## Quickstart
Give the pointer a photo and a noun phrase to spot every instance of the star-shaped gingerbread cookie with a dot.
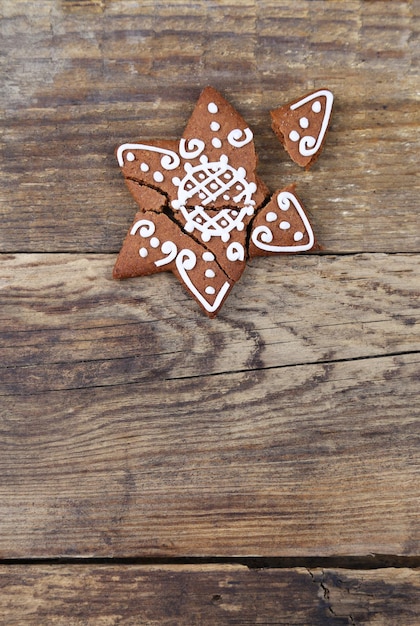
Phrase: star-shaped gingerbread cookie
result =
(203, 210)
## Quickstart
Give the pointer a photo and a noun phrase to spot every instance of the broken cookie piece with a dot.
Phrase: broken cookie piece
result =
(301, 126)
(281, 226)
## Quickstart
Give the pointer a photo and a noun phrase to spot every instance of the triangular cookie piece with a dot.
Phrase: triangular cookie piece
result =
(301, 126)
(281, 226)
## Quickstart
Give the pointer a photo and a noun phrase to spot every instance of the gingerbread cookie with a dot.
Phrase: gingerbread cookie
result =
(301, 126)
(203, 209)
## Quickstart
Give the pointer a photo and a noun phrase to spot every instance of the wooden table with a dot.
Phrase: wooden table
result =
(158, 467)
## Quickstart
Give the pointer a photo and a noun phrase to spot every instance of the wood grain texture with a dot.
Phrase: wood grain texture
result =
(67, 324)
(132, 426)
(207, 595)
(83, 77)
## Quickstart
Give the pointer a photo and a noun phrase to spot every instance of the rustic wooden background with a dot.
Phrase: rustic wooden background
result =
(158, 467)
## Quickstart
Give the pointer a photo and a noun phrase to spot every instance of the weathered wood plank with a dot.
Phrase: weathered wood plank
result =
(65, 323)
(135, 426)
(307, 460)
(231, 482)
(82, 77)
(89, 595)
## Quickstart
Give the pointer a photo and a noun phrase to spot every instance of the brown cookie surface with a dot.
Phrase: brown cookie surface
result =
(301, 125)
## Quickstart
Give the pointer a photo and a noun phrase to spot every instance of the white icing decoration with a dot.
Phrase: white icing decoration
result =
(235, 252)
(210, 290)
(215, 126)
(298, 236)
(216, 143)
(194, 148)
(212, 186)
(185, 262)
(158, 177)
(304, 122)
(285, 226)
(143, 253)
(169, 161)
(144, 167)
(130, 156)
(154, 242)
(234, 137)
(308, 146)
(212, 107)
(208, 256)
(262, 236)
(209, 274)
(146, 228)
(283, 201)
(170, 249)
(294, 135)
(271, 216)
(218, 225)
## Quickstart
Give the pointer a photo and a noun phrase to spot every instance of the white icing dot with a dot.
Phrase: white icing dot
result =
(271, 217)
(294, 135)
(214, 186)
(215, 126)
(208, 256)
(130, 156)
(233, 213)
(216, 143)
(201, 176)
(212, 107)
(144, 167)
(158, 177)
(226, 197)
(284, 225)
(223, 223)
(304, 122)
(298, 236)
(154, 242)
(201, 195)
(209, 274)
(210, 290)
(316, 107)
(143, 253)
(176, 181)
